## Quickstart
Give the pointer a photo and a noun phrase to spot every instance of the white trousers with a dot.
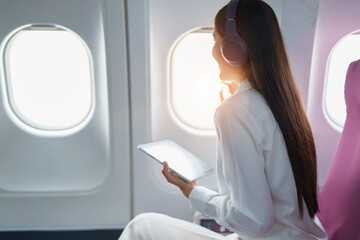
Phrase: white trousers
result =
(154, 226)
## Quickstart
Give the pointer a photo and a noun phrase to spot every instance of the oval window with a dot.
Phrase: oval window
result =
(344, 52)
(194, 80)
(48, 77)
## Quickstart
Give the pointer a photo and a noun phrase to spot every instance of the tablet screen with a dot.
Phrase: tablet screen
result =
(181, 161)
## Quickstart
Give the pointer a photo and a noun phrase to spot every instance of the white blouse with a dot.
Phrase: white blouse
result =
(257, 196)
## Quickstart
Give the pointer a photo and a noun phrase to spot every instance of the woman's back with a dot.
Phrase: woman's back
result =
(250, 110)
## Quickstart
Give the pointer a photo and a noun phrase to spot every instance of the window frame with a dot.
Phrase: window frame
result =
(175, 116)
(9, 104)
(329, 117)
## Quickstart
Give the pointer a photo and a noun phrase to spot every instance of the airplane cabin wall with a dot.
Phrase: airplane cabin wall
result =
(336, 19)
(81, 180)
(130, 43)
(298, 28)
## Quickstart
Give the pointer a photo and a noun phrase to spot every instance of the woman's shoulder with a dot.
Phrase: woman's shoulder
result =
(248, 111)
(246, 104)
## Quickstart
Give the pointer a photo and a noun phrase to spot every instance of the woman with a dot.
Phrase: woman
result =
(266, 163)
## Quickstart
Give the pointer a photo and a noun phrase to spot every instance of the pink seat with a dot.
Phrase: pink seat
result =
(339, 199)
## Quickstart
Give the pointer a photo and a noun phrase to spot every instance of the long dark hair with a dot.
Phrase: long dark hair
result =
(268, 71)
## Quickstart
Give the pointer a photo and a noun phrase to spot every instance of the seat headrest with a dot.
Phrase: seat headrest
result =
(352, 88)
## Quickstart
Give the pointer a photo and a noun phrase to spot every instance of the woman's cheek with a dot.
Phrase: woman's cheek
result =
(213, 51)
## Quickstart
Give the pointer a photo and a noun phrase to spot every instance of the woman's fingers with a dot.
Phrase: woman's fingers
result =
(169, 175)
(221, 96)
(165, 170)
(232, 86)
(185, 187)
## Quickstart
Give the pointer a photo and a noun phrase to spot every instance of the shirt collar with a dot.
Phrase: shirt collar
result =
(245, 85)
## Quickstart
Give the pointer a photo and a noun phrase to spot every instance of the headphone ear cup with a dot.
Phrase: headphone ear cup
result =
(234, 50)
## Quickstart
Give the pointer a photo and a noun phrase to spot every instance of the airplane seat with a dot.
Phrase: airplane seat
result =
(339, 199)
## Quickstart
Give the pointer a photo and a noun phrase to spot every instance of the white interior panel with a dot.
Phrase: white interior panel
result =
(79, 180)
(344, 19)
(32, 163)
(85, 179)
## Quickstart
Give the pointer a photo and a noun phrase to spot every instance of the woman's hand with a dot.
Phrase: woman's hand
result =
(233, 85)
(185, 187)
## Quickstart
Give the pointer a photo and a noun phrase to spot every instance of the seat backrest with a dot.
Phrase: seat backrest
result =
(339, 199)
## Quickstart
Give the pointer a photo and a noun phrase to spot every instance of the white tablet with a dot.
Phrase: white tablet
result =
(181, 161)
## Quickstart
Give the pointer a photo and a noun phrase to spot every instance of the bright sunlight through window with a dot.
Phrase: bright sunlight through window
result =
(345, 51)
(48, 74)
(194, 80)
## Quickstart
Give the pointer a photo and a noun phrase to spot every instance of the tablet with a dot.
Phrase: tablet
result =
(182, 162)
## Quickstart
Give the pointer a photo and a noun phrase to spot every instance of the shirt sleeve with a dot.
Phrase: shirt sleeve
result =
(248, 208)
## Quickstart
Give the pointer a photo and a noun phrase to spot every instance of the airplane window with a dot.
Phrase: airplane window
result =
(194, 80)
(48, 77)
(344, 52)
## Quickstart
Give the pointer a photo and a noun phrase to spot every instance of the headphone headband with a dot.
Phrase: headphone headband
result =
(232, 9)
(233, 47)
